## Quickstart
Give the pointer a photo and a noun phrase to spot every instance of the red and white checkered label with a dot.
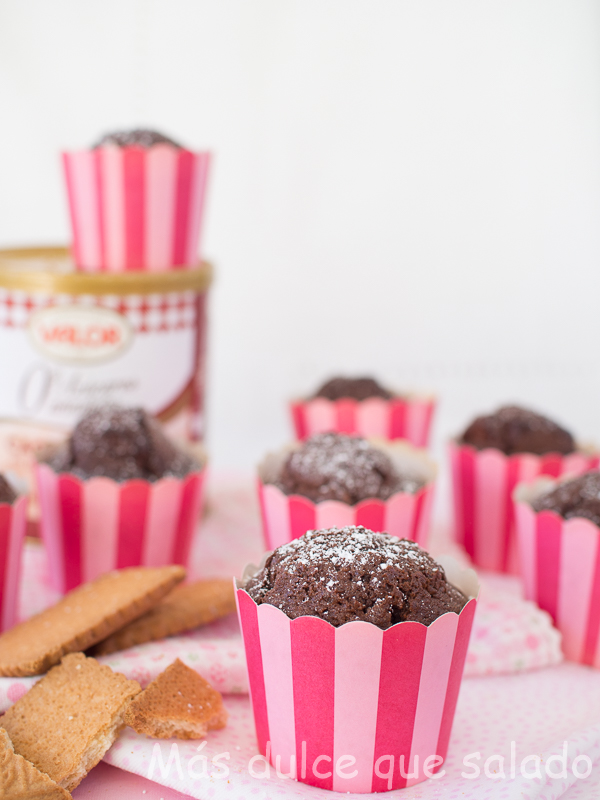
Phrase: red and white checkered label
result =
(145, 313)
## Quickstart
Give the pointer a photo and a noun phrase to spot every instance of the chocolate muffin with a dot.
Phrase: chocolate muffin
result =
(138, 137)
(513, 429)
(354, 388)
(122, 444)
(347, 574)
(7, 493)
(335, 466)
(578, 497)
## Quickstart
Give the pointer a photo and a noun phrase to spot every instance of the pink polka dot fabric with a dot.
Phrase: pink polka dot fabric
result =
(527, 717)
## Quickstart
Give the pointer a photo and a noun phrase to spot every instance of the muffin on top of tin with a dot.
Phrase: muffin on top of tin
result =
(136, 137)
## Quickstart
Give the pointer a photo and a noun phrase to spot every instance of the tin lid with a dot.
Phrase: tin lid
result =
(51, 270)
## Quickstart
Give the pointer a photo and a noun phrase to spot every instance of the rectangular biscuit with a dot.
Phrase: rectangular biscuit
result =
(187, 606)
(20, 780)
(68, 720)
(83, 617)
(180, 703)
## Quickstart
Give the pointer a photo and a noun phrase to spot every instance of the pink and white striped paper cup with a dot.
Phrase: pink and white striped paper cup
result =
(13, 523)
(406, 515)
(135, 208)
(483, 482)
(399, 418)
(560, 567)
(355, 708)
(93, 526)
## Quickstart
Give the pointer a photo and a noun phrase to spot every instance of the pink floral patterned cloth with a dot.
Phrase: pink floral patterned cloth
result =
(509, 633)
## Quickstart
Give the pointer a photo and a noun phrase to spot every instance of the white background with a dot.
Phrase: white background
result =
(408, 188)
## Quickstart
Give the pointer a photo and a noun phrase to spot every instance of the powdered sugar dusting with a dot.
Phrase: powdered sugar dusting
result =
(334, 466)
(353, 544)
(352, 573)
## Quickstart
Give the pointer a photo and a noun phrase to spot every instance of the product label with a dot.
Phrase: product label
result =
(74, 334)
(62, 354)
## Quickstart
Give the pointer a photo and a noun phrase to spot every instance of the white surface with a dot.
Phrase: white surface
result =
(538, 710)
(407, 188)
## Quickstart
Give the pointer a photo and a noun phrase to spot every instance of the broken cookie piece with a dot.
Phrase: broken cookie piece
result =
(68, 720)
(20, 780)
(179, 703)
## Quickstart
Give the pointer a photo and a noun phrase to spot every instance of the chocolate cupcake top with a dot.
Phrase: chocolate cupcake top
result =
(347, 574)
(513, 429)
(335, 466)
(7, 493)
(138, 137)
(355, 388)
(122, 444)
(579, 497)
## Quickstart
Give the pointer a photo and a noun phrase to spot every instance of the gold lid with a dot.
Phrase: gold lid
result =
(51, 270)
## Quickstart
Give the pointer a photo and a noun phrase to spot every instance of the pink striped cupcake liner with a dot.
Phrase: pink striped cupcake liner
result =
(560, 567)
(399, 418)
(483, 482)
(134, 208)
(93, 526)
(355, 708)
(406, 515)
(13, 522)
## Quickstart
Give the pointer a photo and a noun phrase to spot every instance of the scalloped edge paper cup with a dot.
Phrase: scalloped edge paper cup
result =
(406, 515)
(560, 567)
(13, 522)
(403, 417)
(96, 525)
(483, 482)
(135, 208)
(355, 708)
